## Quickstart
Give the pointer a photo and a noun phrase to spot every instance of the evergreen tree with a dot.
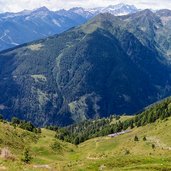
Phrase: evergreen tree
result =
(39, 130)
(1, 117)
(136, 138)
(153, 146)
(76, 141)
(15, 121)
(144, 138)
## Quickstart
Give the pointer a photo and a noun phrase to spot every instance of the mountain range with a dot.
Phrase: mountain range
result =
(26, 26)
(109, 65)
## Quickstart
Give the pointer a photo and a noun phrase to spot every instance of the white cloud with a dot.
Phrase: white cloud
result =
(18, 5)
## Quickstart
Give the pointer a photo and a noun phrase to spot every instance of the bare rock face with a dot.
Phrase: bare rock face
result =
(6, 154)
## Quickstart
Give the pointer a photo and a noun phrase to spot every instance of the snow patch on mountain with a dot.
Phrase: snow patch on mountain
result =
(120, 9)
(56, 22)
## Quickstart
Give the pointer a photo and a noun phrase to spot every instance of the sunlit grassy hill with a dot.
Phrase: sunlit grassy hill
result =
(102, 153)
(145, 147)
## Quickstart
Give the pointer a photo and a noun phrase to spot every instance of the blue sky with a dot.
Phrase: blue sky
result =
(18, 5)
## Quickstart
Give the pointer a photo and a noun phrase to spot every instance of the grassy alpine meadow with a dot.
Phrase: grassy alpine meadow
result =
(150, 151)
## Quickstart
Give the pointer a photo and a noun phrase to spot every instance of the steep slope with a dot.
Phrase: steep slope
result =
(105, 66)
(163, 37)
(15, 139)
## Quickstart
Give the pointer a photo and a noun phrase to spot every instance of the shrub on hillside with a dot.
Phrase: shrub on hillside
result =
(26, 156)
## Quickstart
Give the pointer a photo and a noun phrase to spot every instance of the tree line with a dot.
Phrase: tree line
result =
(88, 129)
(26, 125)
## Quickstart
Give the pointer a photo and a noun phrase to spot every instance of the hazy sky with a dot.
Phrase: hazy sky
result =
(18, 5)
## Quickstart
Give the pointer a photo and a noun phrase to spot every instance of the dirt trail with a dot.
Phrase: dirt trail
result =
(2, 168)
(93, 158)
(45, 166)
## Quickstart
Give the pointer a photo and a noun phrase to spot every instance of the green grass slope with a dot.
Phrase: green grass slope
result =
(123, 153)
(13, 141)
(147, 146)
(102, 153)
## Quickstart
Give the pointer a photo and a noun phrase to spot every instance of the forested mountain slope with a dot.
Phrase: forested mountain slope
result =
(108, 65)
